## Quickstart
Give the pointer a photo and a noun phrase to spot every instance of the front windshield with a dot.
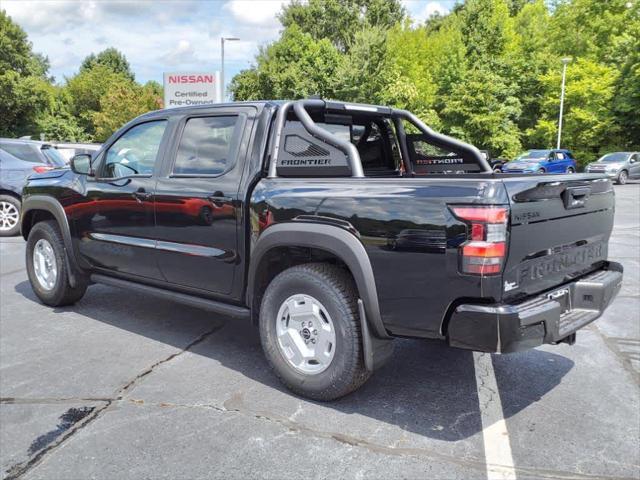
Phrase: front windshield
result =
(534, 155)
(614, 157)
(54, 156)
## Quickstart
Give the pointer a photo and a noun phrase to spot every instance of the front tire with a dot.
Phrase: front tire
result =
(541, 170)
(571, 170)
(324, 360)
(9, 216)
(623, 176)
(48, 269)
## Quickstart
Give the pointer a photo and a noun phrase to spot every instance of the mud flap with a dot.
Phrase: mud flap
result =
(376, 351)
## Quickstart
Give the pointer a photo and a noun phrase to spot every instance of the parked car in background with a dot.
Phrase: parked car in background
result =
(70, 150)
(496, 163)
(33, 151)
(620, 166)
(542, 161)
(18, 160)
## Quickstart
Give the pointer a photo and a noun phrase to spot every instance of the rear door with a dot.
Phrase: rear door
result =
(197, 204)
(558, 163)
(559, 229)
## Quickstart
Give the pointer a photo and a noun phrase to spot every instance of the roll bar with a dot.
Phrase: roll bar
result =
(300, 108)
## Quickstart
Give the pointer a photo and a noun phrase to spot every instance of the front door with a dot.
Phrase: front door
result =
(197, 201)
(116, 223)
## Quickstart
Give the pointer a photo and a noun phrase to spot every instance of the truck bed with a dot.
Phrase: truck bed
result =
(412, 238)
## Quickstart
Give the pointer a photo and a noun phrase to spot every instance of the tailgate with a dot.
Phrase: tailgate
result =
(560, 227)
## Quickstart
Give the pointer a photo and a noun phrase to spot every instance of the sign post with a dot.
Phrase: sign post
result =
(182, 89)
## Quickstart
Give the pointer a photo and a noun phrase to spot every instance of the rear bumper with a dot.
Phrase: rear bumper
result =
(551, 317)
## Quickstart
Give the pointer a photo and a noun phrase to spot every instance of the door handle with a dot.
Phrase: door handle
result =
(215, 198)
(141, 195)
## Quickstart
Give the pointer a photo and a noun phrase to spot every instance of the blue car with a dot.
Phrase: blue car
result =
(542, 161)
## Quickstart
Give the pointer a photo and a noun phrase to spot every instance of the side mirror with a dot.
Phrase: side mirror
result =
(81, 164)
(632, 160)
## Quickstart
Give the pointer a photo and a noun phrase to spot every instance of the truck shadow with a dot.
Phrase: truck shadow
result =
(426, 388)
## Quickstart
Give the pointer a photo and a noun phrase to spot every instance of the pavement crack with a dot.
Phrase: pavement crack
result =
(51, 400)
(80, 419)
(235, 404)
(136, 380)
(20, 469)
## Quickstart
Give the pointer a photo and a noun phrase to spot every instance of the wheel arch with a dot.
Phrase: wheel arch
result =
(37, 208)
(10, 193)
(295, 239)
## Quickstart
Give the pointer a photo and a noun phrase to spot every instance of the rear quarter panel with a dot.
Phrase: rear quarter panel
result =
(409, 234)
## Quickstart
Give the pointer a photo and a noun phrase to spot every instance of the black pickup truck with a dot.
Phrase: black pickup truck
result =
(335, 227)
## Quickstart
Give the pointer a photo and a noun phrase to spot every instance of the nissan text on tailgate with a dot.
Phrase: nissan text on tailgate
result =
(331, 228)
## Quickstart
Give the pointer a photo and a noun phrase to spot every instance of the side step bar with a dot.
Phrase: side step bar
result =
(198, 302)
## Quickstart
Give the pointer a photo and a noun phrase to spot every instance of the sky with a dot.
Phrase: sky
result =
(160, 36)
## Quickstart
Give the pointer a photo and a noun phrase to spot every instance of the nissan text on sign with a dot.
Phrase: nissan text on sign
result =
(183, 89)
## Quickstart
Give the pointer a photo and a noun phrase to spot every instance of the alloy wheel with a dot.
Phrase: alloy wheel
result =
(9, 216)
(306, 334)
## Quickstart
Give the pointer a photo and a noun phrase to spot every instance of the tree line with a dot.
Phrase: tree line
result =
(489, 72)
(88, 106)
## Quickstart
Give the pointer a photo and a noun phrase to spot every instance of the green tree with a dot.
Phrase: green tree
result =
(483, 110)
(56, 122)
(24, 86)
(589, 126)
(296, 66)
(86, 89)
(122, 103)
(339, 20)
(111, 58)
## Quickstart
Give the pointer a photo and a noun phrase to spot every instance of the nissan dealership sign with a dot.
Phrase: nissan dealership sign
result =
(183, 89)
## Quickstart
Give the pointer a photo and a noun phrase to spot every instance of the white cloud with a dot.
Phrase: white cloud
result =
(255, 12)
(421, 10)
(182, 53)
(155, 36)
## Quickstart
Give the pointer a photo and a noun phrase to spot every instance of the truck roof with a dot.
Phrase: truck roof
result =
(260, 104)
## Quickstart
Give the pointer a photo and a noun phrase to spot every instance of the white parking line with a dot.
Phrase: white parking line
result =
(497, 448)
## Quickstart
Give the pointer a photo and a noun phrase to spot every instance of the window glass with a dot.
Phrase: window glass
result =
(54, 156)
(135, 152)
(207, 146)
(23, 151)
(560, 155)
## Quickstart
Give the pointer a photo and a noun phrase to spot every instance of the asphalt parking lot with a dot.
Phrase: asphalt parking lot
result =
(127, 386)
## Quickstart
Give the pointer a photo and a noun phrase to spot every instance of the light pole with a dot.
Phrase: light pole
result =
(564, 61)
(222, 40)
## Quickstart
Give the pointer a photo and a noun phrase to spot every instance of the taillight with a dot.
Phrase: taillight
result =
(485, 250)
(42, 168)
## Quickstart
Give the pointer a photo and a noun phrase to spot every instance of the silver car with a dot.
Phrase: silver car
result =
(620, 166)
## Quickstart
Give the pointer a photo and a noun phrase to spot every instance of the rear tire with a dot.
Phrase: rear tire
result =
(541, 170)
(48, 268)
(570, 170)
(9, 216)
(331, 292)
(623, 176)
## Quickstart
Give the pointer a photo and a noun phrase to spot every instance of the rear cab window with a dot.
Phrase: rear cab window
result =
(374, 138)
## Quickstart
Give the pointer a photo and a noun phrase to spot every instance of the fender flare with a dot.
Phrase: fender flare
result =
(333, 239)
(51, 205)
